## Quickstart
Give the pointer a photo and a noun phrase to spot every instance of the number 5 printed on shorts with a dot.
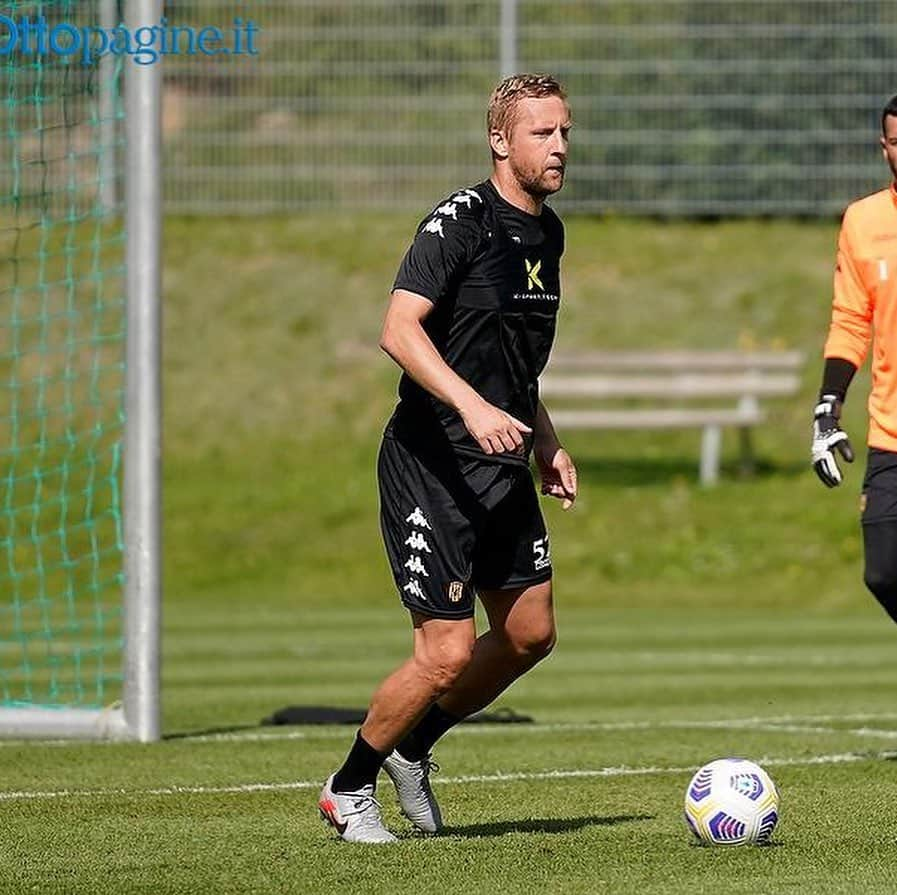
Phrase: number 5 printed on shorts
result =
(541, 554)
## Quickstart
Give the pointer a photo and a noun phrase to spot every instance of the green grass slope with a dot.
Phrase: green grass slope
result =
(276, 394)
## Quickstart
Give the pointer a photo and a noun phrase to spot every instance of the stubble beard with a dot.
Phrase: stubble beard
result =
(534, 184)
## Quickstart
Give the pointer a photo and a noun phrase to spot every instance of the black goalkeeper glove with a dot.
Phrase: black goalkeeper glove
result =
(828, 436)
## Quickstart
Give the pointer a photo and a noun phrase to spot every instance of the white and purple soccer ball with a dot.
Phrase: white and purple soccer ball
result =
(732, 801)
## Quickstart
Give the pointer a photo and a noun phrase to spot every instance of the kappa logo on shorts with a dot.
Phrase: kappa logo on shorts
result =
(413, 587)
(414, 564)
(416, 541)
(455, 591)
(419, 519)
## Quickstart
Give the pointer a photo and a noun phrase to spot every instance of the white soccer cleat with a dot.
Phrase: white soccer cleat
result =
(412, 782)
(354, 815)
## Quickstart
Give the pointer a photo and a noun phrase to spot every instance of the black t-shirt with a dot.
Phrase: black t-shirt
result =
(492, 272)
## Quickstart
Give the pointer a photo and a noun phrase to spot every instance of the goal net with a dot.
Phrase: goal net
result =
(62, 378)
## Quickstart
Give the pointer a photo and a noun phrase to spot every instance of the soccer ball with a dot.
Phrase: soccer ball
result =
(732, 801)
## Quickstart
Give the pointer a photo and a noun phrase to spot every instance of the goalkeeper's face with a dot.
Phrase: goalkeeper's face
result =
(536, 145)
(889, 144)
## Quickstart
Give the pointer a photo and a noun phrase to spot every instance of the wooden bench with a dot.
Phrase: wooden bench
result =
(708, 390)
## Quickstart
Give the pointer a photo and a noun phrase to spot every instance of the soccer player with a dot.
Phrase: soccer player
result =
(865, 301)
(470, 321)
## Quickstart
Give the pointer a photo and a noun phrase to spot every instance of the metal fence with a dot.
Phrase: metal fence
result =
(682, 107)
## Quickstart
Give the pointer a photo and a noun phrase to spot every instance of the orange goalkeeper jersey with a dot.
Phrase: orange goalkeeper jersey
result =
(865, 303)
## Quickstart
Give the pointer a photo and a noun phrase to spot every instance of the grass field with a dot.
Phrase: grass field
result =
(693, 623)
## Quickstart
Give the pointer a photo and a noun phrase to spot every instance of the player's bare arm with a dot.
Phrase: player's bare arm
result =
(556, 467)
(407, 343)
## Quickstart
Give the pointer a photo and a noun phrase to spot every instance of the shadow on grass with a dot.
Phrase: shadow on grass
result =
(318, 715)
(773, 843)
(542, 825)
(210, 732)
(643, 471)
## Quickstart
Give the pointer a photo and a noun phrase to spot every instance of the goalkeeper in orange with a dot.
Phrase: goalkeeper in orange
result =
(864, 311)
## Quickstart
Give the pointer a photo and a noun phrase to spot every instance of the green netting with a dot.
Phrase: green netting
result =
(61, 373)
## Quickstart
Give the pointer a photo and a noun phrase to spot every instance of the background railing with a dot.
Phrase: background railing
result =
(682, 107)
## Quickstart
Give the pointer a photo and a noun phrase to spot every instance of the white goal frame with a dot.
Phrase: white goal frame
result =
(138, 715)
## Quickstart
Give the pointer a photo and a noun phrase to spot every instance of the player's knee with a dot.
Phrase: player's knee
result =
(535, 643)
(883, 585)
(445, 664)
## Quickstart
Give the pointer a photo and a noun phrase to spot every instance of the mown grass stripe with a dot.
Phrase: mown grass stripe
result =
(774, 724)
(499, 777)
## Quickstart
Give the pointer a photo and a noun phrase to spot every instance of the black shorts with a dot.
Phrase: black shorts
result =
(453, 525)
(878, 502)
(878, 510)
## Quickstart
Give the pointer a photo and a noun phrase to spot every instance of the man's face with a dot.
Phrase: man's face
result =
(889, 143)
(536, 147)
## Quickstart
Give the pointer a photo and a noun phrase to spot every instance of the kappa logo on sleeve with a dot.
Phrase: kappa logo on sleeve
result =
(465, 197)
(449, 211)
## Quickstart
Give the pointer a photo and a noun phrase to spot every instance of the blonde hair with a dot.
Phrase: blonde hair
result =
(503, 102)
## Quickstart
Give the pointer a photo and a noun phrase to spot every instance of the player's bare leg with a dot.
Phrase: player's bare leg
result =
(442, 650)
(521, 633)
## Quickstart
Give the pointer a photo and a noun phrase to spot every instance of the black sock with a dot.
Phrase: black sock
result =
(360, 768)
(431, 727)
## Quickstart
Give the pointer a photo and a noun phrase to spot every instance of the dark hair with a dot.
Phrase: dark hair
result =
(889, 109)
